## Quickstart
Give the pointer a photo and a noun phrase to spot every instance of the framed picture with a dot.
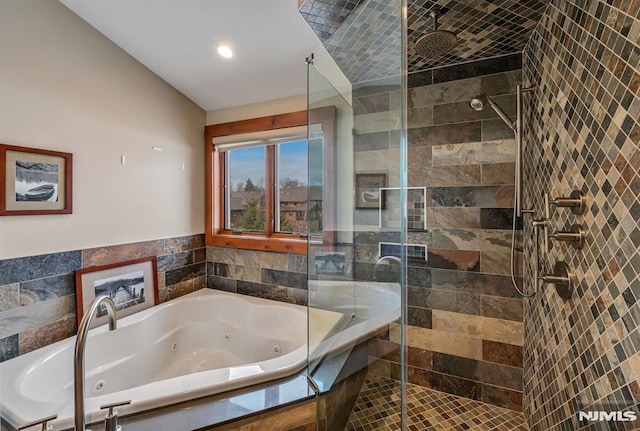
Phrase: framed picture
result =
(368, 190)
(34, 181)
(132, 285)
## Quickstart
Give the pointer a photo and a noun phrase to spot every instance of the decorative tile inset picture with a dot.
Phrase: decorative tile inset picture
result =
(34, 181)
(390, 203)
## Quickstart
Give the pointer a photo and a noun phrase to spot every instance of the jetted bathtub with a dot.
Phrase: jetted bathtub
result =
(201, 344)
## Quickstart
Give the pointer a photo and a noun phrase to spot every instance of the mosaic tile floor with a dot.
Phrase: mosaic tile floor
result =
(428, 410)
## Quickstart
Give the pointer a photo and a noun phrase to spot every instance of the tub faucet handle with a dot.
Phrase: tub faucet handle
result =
(111, 418)
(42, 421)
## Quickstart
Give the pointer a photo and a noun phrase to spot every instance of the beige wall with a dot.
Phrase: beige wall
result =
(65, 87)
(256, 110)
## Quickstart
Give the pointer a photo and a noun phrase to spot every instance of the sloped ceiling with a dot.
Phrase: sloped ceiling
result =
(484, 28)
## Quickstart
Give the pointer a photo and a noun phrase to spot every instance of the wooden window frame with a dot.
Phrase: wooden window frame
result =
(215, 232)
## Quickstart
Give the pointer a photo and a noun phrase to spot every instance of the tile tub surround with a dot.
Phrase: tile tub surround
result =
(37, 293)
(465, 332)
(582, 132)
(270, 275)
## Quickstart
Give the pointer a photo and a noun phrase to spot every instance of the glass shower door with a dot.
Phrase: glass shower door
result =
(357, 217)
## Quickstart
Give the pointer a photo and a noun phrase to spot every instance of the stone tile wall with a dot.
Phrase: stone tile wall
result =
(37, 293)
(582, 132)
(277, 276)
(465, 330)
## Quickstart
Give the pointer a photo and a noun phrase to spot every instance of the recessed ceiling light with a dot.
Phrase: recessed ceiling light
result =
(225, 51)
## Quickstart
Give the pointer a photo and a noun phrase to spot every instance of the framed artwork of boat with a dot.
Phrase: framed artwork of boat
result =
(34, 181)
(368, 190)
(131, 285)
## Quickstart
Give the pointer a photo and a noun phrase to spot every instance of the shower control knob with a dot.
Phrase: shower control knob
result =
(562, 278)
(575, 236)
(576, 201)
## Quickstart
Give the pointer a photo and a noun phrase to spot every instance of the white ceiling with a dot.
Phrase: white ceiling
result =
(178, 40)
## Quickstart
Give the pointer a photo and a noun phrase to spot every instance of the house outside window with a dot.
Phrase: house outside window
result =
(259, 194)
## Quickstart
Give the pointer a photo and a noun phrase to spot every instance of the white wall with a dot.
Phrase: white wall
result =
(65, 87)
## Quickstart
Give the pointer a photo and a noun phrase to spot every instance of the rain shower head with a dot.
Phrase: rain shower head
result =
(436, 42)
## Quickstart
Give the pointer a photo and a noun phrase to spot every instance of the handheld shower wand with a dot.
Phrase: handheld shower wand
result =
(478, 103)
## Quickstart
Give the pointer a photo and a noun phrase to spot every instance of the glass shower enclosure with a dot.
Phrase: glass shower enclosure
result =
(358, 208)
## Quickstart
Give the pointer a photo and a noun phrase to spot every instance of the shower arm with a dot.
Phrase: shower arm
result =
(503, 116)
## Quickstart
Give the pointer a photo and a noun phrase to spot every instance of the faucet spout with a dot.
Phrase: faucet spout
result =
(78, 364)
(382, 259)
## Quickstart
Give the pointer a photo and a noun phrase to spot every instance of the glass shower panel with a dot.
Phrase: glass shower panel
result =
(358, 219)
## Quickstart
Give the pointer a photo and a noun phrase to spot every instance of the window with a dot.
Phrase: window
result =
(258, 191)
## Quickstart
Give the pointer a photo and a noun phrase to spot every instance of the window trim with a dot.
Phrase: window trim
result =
(215, 233)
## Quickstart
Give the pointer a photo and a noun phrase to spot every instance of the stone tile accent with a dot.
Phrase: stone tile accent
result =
(277, 276)
(502, 353)
(445, 134)
(466, 303)
(276, 293)
(583, 132)
(173, 261)
(502, 308)
(437, 341)
(8, 347)
(18, 320)
(479, 283)
(481, 67)
(479, 197)
(34, 267)
(176, 276)
(39, 307)
(119, 253)
(284, 278)
(444, 176)
(474, 153)
(176, 290)
(183, 243)
(43, 336)
(497, 173)
(239, 272)
(485, 328)
(9, 296)
(371, 103)
(371, 141)
(457, 112)
(45, 289)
